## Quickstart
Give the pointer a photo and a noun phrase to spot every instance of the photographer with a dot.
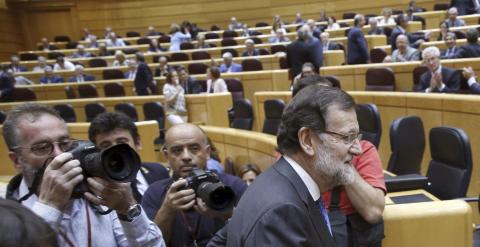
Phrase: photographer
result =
(37, 139)
(181, 214)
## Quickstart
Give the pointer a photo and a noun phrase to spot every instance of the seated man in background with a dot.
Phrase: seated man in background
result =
(41, 64)
(63, 64)
(452, 49)
(15, 64)
(190, 85)
(163, 67)
(228, 66)
(403, 53)
(111, 128)
(374, 28)
(307, 70)
(182, 216)
(7, 84)
(50, 77)
(132, 69)
(38, 142)
(113, 41)
(472, 80)
(46, 46)
(438, 78)
(80, 76)
(327, 44)
(81, 53)
(279, 36)
(234, 24)
(472, 48)
(19, 79)
(250, 49)
(452, 20)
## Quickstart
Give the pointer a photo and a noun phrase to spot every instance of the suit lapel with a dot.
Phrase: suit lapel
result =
(313, 211)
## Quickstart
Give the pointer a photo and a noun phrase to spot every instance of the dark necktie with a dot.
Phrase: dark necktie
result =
(319, 204)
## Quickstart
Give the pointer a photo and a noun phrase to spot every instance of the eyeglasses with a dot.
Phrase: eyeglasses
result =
(46, 148)
(346, 139)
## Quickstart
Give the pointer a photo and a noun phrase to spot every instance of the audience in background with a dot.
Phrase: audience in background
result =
(386, 18)
(316, 31)
(374, 28)
(279, 37)
(277, 23)
(327, 44)
(46, 46)
(305, 49)
(213, 162)
(413, 5)
(178, 35)
(411, 17)
(322, 16)
(175, 105)
(163, 67)
(107, 32)
(215, 84)
(41, 64)
(120, 59)
(438, 78)
(472, 80)
(250, 49)
(144, 82)
(87, 35)
(81, 53)
(465, 7)
(151, 31)
(7, 85)
(228, 65)
(63, 64)
(50, 77)
(472, 48)
(403, 53)
(114, 41)
(357, 44)
(80, 76)
(155, 47)
(452, 20)
(307, 70)
(443, 31)
(15, 64)
(132, 69)
(103, 51)
(452, 49)
(248, 173)
(298, 19)
(19, 79)
(92, 42)
(190, 85)
(332, 23)
(234, 24)
(201, 44)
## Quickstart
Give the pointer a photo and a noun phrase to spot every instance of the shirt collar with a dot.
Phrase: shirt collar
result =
(22, 191)
(306, 178)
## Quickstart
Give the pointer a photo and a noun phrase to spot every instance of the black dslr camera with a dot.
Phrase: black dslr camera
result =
(207, 186)
(119, 163)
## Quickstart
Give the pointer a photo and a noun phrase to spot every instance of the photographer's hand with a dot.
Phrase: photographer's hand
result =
(60, 177)
(117, 196)
(202, 208)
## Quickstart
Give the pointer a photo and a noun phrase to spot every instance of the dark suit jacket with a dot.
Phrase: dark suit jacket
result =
(300, 52)
(451, 78)
(277, 210)
(153, 172)
(85, 78)
(464, 7)
(468, 50)
(54, 79)
(475, 88)
(254, 53)
(192, 86)
(333, 46)
(19, 68)
(357, 47)
(143, 79)
(453, 54)
(393, 37)
(7, 85)
(158, 72)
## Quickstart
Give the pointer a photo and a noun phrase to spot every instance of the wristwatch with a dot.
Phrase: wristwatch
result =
(132, 213)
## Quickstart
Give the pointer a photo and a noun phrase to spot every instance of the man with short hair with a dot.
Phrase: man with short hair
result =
(318, 137)
(327, 44)
(50, 77)
(190, 85)
(438, 78)
(111, 128)
(41, 64)
(472, 48)
(132, 69)
(403, 53)
(114, 41)
(15, 64)
(80, 76)
(250, 49)
(357, 44)
(374, 28)
(305, 49)
(316, 31)
(63, 64)
(279, 37)
(180, 213)
(452, 20)
(451, 43)
(163, 67)
(144, 82)
(46, 46)
(38, 142)
(81, 53)
(228, 66)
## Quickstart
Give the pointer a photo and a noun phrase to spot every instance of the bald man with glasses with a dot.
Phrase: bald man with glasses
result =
(38, 141)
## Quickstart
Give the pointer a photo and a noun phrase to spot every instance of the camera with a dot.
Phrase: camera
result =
(119, 163)
(207, 186)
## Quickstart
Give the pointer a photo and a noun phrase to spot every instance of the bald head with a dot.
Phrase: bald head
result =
(185, 130)
(402, 42)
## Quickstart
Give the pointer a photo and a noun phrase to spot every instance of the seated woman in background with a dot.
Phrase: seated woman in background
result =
(387, 18)
(175, 106)
(215, 84)
(443, 31)
(178, 35)
(248, 173)
(201, 42)
(332, 23)
(103, 51)
(120, 59)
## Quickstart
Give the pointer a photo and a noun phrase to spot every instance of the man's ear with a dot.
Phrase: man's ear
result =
(138, 144)
(305, 140)
(15, 159)
(208, 149)
(165, 151)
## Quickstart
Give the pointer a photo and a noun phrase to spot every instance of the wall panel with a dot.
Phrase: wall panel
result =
(11, 38)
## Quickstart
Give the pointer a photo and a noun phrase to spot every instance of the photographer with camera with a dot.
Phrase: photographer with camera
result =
(38, 141)
(192, 205)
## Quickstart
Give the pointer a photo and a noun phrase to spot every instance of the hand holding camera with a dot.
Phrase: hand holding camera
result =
(117, 196)
(178, 198)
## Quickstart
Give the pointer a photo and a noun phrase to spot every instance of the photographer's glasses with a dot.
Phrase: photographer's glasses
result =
(46, 148)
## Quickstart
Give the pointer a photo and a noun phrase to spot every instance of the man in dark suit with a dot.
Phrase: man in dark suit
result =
(452, 49)
(15, 64)
(327, 44)
(7, 85)
(143, 78)
(50, 77)
(357, 45)
(438, 78)
(472, 80)
(190, 85)
(465, 7)
(472, 48)
(80, 76)
(132, 69)
(250, 49)
(110, 128)
(305, 49)
(400, 28)
(163, 68)
(283, 206)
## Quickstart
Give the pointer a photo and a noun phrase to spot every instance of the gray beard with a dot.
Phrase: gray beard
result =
(334, 174)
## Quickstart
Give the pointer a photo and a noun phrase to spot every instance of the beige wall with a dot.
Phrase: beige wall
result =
(11, 38)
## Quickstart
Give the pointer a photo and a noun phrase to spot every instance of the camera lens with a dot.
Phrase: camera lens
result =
(121, 163)
(216, 195)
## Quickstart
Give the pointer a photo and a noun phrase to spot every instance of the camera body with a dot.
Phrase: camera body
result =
(118, 163)
(213, 192)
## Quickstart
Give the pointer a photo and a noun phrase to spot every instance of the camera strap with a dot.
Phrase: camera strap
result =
(189, 229)
(37, 179)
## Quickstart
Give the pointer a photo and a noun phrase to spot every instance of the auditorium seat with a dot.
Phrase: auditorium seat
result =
(228, 42)
(131, 34)
(97, 63)
(277, 48)
(283, 62)
(129, 51)
(128, 109)
(197, 68)
(164, 39)
(70, 92)
(377, 55)
(273, 115)
(61, 38)
(114, 89)
(212, 36)
(154, 111)
(256, 40)
(144, 41)
(200, 55)
(348, 15)
(111, 74)
(23, 94)
(179, 56)
(28, 57)
(334, 80)
(186, 46)
(235, 87)
(450, 169)
(54, 54)
(440, 6)
(87, 91)
(232, 51)
(67, 112)
(93, 109)
(229, 34)
(369, 123)
(3, 116)
(380, 79)
(261, 24)
(243, 116)
(71, 45)
(407, 145)
(263, 52)
(417, 73)
(252, 65)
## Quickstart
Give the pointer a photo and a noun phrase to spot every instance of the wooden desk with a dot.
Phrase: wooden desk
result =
(68, 52)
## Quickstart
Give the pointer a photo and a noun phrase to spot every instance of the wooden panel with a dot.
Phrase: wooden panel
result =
(11, 38)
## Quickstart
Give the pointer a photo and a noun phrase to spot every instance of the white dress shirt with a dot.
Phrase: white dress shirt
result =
(306, 178)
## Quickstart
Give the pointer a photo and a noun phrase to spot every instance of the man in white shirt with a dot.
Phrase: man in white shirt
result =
(114, 41)
(41, 64)
(63, 64)
(38, 141)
